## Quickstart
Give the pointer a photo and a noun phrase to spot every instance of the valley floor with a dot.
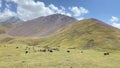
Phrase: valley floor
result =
(12, 57)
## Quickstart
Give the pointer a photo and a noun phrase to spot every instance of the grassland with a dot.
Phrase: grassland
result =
(73, 38)
(12, 57)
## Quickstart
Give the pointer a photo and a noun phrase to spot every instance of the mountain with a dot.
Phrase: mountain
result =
(12, 19)
(7, 23)
(86, 34)
(42, 26)
(3, 29)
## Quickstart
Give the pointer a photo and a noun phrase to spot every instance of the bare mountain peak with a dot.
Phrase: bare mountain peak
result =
(56, 16)
(42, 26)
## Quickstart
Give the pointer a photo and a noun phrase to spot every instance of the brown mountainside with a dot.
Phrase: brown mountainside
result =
(42, 26)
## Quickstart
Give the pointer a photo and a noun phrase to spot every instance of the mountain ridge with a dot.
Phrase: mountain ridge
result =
(84, 34)
(42, 26)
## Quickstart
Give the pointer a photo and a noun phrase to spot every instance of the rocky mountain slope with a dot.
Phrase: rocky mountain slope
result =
(42, 26)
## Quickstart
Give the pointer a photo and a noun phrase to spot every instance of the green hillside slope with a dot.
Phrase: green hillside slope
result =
(85, 34)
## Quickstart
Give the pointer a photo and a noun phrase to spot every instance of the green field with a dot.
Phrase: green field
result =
(12, 57)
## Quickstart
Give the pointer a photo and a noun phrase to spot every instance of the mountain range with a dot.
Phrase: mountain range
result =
(61, 30)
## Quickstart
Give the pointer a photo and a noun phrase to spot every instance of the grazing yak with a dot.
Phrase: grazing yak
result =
(107, 53)
(17, 47)
(81, 51)
(26, 52)
(42, 50)
(68, 51)
(49, 49)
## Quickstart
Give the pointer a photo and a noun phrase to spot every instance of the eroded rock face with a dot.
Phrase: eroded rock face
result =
(89, 44)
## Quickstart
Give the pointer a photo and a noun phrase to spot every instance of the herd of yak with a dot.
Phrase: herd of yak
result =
(48, 49)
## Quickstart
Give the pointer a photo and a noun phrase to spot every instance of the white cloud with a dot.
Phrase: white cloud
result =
(51, 6)
(62, 10)
(29, 9)
(116, 25)
(7, 13)
(8, 5)
(78, 10)
(114, 20)
(0, 3)
(81, 18)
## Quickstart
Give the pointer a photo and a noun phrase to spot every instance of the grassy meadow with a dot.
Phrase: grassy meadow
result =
(13, 57)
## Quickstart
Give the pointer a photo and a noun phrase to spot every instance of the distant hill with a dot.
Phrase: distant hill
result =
(42, 26)
(12, 19)
(7, 23)
(2, 29)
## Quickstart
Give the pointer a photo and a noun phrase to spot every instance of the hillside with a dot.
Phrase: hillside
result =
(42, 26)
(5, 27)
(7, 23)
(2, 29)
(86, 34)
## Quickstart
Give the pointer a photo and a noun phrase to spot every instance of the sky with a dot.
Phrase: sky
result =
(105, 10)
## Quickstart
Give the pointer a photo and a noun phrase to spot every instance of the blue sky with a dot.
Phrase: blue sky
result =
(105, 10)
